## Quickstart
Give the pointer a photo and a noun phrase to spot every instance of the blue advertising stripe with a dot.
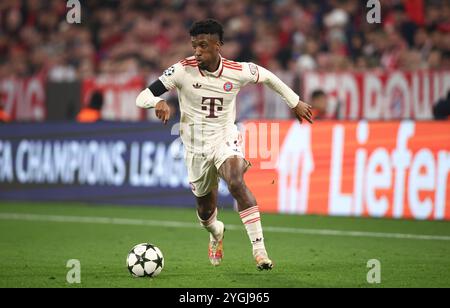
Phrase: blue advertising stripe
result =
(71, 130)
(108, 162)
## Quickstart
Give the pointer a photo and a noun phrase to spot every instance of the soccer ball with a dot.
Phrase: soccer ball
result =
(145, 260)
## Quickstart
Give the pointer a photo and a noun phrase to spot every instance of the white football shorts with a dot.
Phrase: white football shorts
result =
(203, 168)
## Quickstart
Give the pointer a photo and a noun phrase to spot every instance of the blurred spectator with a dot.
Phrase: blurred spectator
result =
(320, 106)
(4, 117)
(93, 112)
(441, 110)
(147, 36)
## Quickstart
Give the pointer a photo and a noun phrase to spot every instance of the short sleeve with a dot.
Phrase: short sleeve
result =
(172, 76)
(250, 73)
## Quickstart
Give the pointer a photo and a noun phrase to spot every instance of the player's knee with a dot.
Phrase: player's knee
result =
(205, 214)
(235, 184)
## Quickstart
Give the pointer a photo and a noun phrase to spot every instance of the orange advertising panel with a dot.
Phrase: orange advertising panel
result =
(371, 169)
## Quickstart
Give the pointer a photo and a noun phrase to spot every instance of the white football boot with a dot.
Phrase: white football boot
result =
(215, 248)
(262, 260)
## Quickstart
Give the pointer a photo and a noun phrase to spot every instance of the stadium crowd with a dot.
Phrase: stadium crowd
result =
(144, 36)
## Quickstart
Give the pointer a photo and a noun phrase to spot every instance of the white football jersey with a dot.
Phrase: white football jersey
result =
(207, 100)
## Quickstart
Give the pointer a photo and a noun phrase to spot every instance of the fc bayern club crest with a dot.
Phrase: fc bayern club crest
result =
(228, 86)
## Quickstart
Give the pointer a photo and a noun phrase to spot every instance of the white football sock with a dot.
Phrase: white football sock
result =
(213, 226)
(252, 222)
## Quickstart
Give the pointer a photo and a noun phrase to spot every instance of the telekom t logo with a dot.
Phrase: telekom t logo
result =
(211, 102)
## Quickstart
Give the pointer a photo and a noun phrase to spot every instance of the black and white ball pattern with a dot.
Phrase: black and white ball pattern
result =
(169, 72)
(145, 260)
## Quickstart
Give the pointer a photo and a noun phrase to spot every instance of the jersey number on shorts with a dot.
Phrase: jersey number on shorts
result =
(212, 103)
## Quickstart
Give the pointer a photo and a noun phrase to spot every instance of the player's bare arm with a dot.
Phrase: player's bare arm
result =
(162, 111)
(301, 109)
(303, 112)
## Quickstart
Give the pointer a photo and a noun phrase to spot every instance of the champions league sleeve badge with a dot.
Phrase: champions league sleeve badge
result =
(169, 72)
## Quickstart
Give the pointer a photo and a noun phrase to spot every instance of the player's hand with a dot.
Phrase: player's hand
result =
(303, 112)
(162, 111)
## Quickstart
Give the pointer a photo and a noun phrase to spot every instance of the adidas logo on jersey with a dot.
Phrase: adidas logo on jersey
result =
(197, 86)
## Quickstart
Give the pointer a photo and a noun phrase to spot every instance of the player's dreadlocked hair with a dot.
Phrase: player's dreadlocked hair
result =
(207, 26)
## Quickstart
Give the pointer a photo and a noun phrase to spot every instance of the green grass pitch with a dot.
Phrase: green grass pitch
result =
(36, 242)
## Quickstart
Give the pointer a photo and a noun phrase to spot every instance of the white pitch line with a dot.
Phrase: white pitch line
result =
(179, 224)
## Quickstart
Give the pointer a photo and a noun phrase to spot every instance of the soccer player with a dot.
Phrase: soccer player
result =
(207, 86)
